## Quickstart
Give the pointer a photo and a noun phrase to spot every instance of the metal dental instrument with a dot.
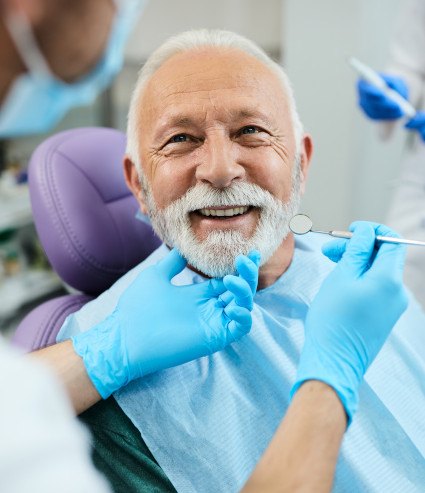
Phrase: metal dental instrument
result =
(301, 224)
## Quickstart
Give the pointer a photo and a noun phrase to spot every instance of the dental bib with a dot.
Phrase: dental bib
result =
(208, 422)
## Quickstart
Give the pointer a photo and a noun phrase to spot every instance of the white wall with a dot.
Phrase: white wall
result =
(352, 170)
(261, 21)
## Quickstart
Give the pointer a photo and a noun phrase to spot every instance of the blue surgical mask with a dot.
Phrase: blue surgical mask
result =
(143, 217)
(37, 99)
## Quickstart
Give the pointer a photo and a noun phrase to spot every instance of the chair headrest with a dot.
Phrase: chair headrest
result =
(83, 210)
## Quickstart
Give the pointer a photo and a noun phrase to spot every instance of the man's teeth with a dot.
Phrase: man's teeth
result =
(224, 212)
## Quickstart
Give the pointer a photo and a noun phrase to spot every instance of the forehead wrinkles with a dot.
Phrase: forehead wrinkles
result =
(225, 103)
(207, 88)
(197, 84)
(209, 116)
(211, 69)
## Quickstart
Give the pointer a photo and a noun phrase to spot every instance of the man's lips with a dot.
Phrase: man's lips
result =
(244, 222)
(223, 212)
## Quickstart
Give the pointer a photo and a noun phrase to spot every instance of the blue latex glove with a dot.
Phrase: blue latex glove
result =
(418, 123)
(375, 104)
(353, 313)
(156, 324)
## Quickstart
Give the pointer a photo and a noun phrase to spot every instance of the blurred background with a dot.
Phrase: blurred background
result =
(352, 175)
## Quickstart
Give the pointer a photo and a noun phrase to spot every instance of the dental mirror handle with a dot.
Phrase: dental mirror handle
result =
(384, 239)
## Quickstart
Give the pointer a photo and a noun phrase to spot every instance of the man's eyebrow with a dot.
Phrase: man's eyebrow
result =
(182, 121)
(248, 113)
(174, 121)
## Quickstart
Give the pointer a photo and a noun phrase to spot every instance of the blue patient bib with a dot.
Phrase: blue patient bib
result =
(208, 422)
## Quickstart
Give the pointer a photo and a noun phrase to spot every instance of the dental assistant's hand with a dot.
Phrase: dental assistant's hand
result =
(353, 313)
(375, 104)
(157, 325)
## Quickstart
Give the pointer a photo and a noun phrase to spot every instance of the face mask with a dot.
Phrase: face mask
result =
(37, 99)
(143, 217)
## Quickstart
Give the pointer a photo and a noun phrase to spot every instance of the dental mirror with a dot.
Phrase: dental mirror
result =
(301, 224)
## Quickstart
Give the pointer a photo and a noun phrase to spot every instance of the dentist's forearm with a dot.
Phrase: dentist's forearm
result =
(303, 453)
(69, 368)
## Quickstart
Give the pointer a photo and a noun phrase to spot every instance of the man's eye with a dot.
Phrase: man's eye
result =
(179, 138)
(250, 130)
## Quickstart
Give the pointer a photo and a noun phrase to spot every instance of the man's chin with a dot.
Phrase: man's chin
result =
(214, 257)
(212, 273)
(201, 273)
(214, 269)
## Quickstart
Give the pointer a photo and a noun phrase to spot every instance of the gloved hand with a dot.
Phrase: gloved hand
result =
(156, 325)
(418, 123)
(353, 313)
(375, 104)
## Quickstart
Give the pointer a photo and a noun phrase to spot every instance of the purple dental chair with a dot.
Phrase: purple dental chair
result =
(85, 218)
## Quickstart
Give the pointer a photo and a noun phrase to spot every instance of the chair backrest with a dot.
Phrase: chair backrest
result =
(41, 326)
(85, 218)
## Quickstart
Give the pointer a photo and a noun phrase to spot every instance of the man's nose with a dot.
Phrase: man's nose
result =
(219, 165)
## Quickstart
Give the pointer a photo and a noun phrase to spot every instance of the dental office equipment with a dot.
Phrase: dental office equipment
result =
(369, 75)
(301, 224)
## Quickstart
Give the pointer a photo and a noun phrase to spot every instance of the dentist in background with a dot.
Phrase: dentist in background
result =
(54, 55)
(405, 73)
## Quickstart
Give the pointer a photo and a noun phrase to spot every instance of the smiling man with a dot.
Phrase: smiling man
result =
(213, 161)
(218, 159)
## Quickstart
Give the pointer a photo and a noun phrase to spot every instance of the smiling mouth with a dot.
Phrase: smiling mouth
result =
(223, 212)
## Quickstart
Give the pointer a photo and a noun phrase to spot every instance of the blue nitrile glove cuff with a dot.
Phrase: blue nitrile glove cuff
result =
(157, 325)
(354, 311)
(106, 365)
(344, 379)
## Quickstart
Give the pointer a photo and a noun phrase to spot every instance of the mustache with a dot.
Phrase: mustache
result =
(202, 196)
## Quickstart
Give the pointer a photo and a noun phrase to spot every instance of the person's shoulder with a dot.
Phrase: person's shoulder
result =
(41, 442)
(30, 378)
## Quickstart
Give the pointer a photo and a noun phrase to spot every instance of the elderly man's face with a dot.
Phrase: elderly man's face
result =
(213, 122)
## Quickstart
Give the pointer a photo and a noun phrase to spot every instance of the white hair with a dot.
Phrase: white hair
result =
(195, 40)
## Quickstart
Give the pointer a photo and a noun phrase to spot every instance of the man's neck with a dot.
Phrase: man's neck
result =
(277, 264)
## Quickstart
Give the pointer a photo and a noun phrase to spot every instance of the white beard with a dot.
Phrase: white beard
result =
(215, 256)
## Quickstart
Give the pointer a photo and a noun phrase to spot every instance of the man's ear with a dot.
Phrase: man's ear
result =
(306, 152)
(132, 180)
